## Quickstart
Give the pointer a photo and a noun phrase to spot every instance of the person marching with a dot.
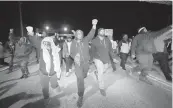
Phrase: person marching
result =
(49, 67)
(103, 54)
(124, 49)
(66, 55)
(80, 54)
(24, 55)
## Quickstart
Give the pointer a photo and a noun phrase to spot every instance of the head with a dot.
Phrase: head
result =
(101, 32)
(44, 34)
(29, 29)
(22, 40)
(62, 38)
(79, 35)
(125, 37)
(11, 30)
(142, 30)
(69, 39)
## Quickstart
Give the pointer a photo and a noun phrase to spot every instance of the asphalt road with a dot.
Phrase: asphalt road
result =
(122, 92)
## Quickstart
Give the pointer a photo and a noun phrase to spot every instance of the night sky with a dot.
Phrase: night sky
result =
(123, 17)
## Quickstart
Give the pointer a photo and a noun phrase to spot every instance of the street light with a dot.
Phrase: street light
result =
(65, 28)
(47, 27)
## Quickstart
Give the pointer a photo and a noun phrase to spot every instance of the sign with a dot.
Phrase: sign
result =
(109, 32)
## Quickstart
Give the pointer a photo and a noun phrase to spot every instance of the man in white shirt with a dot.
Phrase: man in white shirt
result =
(124, 49)
(66, 55)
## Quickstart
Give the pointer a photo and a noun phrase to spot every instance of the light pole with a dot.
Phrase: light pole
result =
(21, 22)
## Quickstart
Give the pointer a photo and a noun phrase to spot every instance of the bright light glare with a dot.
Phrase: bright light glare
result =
(65, 29)
(47, 27)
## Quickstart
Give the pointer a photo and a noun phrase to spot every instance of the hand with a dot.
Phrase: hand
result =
(133, 56)
(73, 31)
(94, 21)
(115, 61)
(67, 55)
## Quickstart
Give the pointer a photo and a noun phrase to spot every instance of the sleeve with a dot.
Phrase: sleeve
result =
(119, 46)
(72, 49)
(64, 50)
(91, 34)
(134, 46)
(93, 50)
(111, 53)
(28, 50)
(163, 33)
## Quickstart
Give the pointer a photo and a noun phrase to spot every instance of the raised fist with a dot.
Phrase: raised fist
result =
(94, 21)
(73, 31)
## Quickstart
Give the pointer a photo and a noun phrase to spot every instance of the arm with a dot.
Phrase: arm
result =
(134, 46)
(72, 49)
(91, 34)
(164, 33)
(28, 50)
(64, 50)
(111, 53)
(93, 50)
(119, 46)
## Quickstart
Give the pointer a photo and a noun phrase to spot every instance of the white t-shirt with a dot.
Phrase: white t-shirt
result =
(69, 46)
(114, 44)
(125, 47)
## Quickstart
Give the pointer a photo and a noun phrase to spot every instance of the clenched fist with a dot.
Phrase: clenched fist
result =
(94, 21)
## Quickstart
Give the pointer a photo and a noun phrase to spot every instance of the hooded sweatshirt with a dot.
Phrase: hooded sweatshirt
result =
(102, 49)
(82, 48)
(49, 57)
(150, 42)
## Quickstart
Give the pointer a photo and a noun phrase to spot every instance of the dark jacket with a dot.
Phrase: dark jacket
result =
(102, 50)
(83, 47)
(144, 42)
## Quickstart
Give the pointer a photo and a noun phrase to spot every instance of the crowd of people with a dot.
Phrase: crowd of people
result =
(80, 52)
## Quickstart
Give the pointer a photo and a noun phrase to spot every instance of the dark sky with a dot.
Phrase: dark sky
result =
(123, 17)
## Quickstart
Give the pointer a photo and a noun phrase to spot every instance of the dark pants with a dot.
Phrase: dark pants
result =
(37, 54)
(69, 62)
(2, 62)
(162, 58)
(81, 73)
(123, 57)
(12, 59)
(24, 67)
(45, 80)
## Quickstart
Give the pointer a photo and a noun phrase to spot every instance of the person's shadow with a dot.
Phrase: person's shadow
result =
(6, 88)
(8, 101)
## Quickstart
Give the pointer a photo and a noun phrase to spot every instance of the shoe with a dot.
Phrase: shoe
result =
(144, 79)
(169, 79)
(102, 91)
(124, 68)
(67, 74)
(46, 102)
(23, 76)
(95, 72)
(80, 102)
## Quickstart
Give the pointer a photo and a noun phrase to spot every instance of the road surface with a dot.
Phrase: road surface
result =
(122, 92)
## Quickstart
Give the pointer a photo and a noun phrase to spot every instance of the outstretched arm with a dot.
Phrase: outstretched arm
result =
(91, 34)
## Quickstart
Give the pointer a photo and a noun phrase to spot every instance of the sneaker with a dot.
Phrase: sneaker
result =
(144, 79)
(67, 74)
(46, 102)
(23, 76)
(80, 102)
(102, 91)
(95, 72)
